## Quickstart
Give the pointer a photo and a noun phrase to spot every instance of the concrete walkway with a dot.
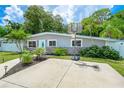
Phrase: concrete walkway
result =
(58, 73)
(10, 64)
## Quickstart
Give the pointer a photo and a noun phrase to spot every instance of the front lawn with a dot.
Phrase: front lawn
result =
(117, 65)
(8, 56)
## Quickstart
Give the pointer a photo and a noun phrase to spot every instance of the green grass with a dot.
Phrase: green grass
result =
(8, 56)
(117, 65)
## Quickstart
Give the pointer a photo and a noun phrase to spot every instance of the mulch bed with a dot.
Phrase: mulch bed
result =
(18, 67)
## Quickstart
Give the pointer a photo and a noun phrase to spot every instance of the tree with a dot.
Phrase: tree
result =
(12, 26)
(58, 25)
(18, 36)
(117, 20)
(38, 20)
(101, 15)
(93, 25)
(112, 32)
(33, 19)
(2, 31)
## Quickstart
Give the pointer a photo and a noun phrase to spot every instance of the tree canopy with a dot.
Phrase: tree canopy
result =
(2, 31)
(38, 20)
(104, 24)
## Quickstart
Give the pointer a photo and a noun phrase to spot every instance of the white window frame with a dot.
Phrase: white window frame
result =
(29, 41)
(51, 40)
(77, 39)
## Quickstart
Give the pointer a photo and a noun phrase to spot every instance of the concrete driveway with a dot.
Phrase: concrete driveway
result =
(58, 73)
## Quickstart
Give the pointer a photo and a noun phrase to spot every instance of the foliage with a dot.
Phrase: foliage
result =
(38, 20)
(17, 36)
(39, 51)
(12, 25)
(93, 51)
(101, 15)
(2, 31)
(104, 24)
(26, 57)
(100, 52)
(60, 51)
(111, 32)
(110, 53)
(93, 25)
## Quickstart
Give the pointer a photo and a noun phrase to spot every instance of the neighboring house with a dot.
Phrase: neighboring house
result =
(50, 40)
(8, 46)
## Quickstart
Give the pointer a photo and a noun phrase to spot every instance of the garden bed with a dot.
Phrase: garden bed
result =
(19, 67)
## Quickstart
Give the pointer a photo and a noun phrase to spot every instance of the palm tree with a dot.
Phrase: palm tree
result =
(112, 32)
(18, 36)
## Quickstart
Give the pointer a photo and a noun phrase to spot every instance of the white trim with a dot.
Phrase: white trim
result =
(77, 39)
(51, 40)
(29, 41)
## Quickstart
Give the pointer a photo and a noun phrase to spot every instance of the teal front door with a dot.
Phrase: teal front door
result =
(42, 44)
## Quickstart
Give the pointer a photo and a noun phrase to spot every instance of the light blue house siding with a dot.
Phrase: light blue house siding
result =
(62, 41)
(8, 46)
(90, 42)
(65, 42)
(119, 46)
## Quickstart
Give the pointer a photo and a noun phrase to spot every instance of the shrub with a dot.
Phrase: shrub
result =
(39, 51)
(60, 51)
(93, 51)
(100, 52)
(110, 53)
(26, 58)
(26, 51)
(82, 52)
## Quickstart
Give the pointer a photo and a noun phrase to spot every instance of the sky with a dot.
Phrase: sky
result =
(69, 13)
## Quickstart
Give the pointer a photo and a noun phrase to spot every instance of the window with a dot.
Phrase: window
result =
(77, 43)
(32, 43)
(52, 43)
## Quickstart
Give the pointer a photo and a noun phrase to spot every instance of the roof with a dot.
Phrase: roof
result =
(70, 35)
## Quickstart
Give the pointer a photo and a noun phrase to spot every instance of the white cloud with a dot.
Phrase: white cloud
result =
(66, 12)
(69, 13)
(13, 13)
(75, 12)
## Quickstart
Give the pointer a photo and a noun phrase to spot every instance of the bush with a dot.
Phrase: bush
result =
(26, 58)
(39, 51)
(100, 52)
(60, 51)
(93, 51)
(110, 53)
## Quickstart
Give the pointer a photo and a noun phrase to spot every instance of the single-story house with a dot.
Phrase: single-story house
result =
(50, 40)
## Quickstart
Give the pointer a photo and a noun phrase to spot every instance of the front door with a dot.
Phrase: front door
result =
(42, 44)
